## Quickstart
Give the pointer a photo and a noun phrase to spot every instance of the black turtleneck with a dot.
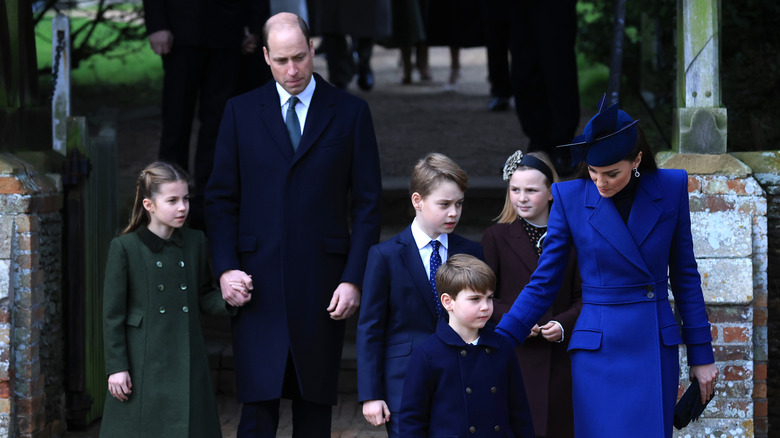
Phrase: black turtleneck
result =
(624, 199)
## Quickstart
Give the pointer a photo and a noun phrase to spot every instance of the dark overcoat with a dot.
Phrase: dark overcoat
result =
(453, 389)
(154, 293)
(397, 312)
(357, 18)
(300, 223)
(625, 364)
(546, 365)
(205, 23)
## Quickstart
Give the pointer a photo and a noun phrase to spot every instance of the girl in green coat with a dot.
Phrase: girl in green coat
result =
(157, 283)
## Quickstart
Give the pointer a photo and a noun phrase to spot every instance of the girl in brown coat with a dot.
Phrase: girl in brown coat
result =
(512, 248)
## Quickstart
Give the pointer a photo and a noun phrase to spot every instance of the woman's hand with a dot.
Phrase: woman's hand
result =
(119, 385)
(707, 375)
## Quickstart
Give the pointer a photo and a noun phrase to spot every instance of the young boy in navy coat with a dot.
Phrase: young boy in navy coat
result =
(465, 381)
(400, 306)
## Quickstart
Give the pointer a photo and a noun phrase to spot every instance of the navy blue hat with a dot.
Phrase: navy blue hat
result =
(609, 137)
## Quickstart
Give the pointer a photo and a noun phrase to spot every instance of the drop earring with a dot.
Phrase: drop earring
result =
(636, 172)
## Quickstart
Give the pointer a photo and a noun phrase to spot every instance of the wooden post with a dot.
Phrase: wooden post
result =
(60, 103)
(700, 122)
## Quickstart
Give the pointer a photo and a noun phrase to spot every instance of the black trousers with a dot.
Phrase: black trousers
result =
(497, 21)
(544, 71)
(261, 419)
(341, 63)
(203, 78)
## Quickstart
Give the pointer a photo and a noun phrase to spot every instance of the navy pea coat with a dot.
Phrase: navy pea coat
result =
(397, 312)
(625, 366)
(453, 389)
(300, 223)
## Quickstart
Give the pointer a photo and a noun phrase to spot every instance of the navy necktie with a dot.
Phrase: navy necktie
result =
(435, 263)
(293, 125)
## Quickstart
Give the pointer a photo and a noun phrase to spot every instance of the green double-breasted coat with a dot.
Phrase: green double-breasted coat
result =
(154, 292)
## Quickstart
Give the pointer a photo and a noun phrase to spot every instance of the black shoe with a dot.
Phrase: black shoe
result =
(498, 104)
(366, 79)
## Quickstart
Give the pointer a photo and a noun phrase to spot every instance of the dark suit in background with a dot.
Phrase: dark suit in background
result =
(200, 71)
(544, 75)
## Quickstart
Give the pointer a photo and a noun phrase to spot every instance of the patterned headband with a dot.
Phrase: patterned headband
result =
(518, 159)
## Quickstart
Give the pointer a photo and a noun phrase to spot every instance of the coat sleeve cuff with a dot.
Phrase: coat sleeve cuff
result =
(700, 354)
(513, 329)
(697, 335)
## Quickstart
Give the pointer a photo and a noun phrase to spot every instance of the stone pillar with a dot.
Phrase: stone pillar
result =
(729, 225)
(700, 120)
(31, 333)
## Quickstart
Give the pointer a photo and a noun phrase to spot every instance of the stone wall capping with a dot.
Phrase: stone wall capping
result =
(704, 164)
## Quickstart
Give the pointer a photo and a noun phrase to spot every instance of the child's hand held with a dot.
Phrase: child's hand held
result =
(120, 386)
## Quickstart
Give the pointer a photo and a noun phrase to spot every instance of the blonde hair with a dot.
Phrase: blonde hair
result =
(148, 186)
(509, 214)
(463, 271)
(434, 169)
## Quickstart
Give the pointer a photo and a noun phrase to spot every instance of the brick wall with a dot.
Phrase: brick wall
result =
(729, 225)
(31, 331)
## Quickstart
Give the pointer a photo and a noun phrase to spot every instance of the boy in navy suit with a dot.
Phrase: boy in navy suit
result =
(465, 381)
(400, 305)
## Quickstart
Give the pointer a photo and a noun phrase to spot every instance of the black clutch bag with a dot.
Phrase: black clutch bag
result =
(689, 408)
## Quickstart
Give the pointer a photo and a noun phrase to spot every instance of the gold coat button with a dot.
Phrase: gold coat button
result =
(463, 353)
(488, 350)
(161, 287)
(185, 309)
(473, 429)
(493, 390)
(468, 390)
(159, 264)
(162, 309)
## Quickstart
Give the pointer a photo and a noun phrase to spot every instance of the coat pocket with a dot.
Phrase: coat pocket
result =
(670, 335)
(585, 340)
(398, 350)
(134, 319)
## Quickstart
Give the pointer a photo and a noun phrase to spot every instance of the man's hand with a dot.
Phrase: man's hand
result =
(535, 331)
(119, 385)
(376, 412)
(161, 41)
(345, 301)
(235, 285)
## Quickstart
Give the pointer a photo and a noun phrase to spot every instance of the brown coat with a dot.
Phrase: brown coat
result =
(546, 366)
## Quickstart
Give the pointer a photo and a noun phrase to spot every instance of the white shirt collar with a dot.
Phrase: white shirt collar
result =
(305, 96)
(422, 239)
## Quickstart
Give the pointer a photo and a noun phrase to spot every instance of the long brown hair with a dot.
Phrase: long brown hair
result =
(148, 186)
(509, 214)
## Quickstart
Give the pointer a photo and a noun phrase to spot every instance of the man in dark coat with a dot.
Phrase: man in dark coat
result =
(365, 21)
(294, 224)
(200, 42)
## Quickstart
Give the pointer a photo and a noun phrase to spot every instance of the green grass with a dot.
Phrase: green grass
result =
(130, 63)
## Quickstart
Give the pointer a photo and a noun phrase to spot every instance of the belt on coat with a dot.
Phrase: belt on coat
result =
(639, 293)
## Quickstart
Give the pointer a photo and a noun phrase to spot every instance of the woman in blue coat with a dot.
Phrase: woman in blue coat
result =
(629, 224)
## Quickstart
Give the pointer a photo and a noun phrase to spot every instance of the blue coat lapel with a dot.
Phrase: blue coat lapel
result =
(271, 116)
(647, 209)
(410, 256)
(606, 220)
(319, 116)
